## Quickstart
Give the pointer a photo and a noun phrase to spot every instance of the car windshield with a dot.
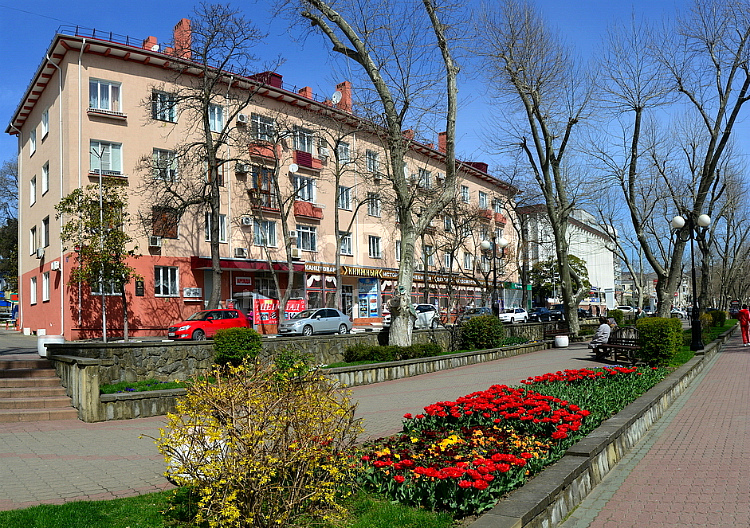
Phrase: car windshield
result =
(304, 314)
(199, 316)
(509, 310)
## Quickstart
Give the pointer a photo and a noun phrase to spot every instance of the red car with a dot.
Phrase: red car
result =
(204, 324)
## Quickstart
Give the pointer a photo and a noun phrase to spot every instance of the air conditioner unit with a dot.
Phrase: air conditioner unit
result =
(192, 293)
(242, 118)
(440, 177)
(240, 253)
(242, 168)
(54, 265)
(293, 234)
(154, 241)
(40, 253)
(323, 152)
(247, 221)
(296, 253)
(376, 176)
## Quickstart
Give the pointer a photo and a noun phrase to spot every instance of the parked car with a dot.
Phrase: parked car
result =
(469, 313)
(204, 324)
(427, 317)
(514, 315)
(682, 314)
(626, 309)
(543, 314)
(584, 314)
(317, 321)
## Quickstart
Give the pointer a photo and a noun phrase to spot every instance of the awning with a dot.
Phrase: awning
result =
(197, 263)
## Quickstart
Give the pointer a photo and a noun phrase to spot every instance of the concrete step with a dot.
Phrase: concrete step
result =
(34, 391)
(7, 364)
(50, 381)
(49, 402)
(35, 415)
(26, 373)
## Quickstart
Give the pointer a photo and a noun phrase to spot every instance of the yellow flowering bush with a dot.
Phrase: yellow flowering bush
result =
(261, 447)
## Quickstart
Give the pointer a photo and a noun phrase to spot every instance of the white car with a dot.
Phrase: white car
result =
(514, 315)
(626, 309)
(427, 317)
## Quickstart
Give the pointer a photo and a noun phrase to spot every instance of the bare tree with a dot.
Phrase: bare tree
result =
(535, 76)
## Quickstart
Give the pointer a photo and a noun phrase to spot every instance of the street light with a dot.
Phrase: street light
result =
(678, 223)
(486, 245)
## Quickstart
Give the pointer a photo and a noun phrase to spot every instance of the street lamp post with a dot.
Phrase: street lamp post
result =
(486, 245)
(678, 223)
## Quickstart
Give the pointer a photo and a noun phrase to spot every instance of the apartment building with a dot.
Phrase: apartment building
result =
(99, 105)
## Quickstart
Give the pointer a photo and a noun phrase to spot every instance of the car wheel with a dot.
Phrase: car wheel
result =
(307, 330)
(199, 335)
(512, 320)
(343, 329)
(434, 324)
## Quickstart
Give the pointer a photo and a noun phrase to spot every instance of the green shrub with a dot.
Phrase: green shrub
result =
(513, 340)
(617, 315)
(292, 361)
(660, 339)
(483, 332)
(234, 345)
(706, 323)
(718, 317)
(362, 352)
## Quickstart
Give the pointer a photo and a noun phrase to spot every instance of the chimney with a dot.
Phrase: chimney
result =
(183, 39)
(442, 141)
(151, 44)
(479, 165)
(306, 92)
(346, 96)
(270, 78)
(409, 134)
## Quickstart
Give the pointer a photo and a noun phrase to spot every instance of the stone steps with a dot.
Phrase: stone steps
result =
(31, 391)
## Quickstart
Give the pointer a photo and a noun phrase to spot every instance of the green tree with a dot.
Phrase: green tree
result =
(94, 224)
(9, 253)
(545, 278)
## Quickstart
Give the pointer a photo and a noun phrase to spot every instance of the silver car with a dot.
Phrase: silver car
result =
(317, 321)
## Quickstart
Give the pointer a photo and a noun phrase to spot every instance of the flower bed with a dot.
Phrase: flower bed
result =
(463, 455)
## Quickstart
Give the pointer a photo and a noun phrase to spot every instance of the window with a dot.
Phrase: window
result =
(465, 193)
(448, 261)
(164, 222)
(45, 123)
(262, 127)
(45, 232)
(32, 142)
(264, 233)
(263, 192)
(32, 191)
(45, 286)
(32, 291)
(266, 287)
(111, 287)
(164, 107)
(304, 188)
(306, 237)
(45, 178)
(345, 198)
(165, 281)
(374, 245)
(429, 252)
(482, 200)
(373, 164)
(373, 204)
(424, 179)
(303, 140)
(165, 165)
(32, 240)
(497, 206)
(104, 95)
(343, 152)
(468, 261)
(447, 223)
(106, 158)
(398, 250)
(346, 243)
(222, 227)
(216, 117)
(217, 172)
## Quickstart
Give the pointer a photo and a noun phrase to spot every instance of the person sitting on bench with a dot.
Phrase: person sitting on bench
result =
(602, 334)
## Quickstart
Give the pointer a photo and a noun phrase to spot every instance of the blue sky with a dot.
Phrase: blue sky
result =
(27, 28)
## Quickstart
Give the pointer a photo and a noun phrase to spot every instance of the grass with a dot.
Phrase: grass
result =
(685, 354)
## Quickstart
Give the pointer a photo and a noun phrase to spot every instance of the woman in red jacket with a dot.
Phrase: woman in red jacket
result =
(744, 317)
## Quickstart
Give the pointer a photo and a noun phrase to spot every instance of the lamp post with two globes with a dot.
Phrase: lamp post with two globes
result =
(486, 245)
(689, 233)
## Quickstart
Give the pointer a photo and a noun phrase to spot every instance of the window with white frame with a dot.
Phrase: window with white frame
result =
(398, 250)
(32, 191)
(482, 200)
(165, 165)
(373, 204)
(262, 127)
(32, 240)
(468, 261)
(304, 188)
(372, 160)
(106, 157)
(45, 123)
(465, 193)
(346, 243)
(448, 223)
(111, 287)
(222, 227)
(497, 206)
(45, 231)
(374, 246)
(303, 139)
(32, 142)
(429, 252)
(45, 178)
(448, 261)
(45, 286)
(343, 152)
(266, 287)
(264, 233)
(32, 290)
(424, 179)
(345, 198)
(104, 95)
(307, 237)
(263, 187)
(215, 117)
(166, 282)
(164, 107)
(498, 233)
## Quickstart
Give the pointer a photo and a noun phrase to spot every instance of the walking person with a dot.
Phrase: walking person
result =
(744, 317)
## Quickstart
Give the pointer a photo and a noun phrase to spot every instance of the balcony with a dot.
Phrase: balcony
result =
(307, 210)
(305, 159)
(263, 149)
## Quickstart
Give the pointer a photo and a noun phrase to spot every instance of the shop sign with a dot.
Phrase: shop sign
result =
(316, 267)
(266, 311)
(243, 281)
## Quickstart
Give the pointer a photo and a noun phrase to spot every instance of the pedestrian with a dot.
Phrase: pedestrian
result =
(744, 317)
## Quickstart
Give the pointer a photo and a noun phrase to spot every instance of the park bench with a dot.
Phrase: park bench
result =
(556, 328)
(622, 339)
